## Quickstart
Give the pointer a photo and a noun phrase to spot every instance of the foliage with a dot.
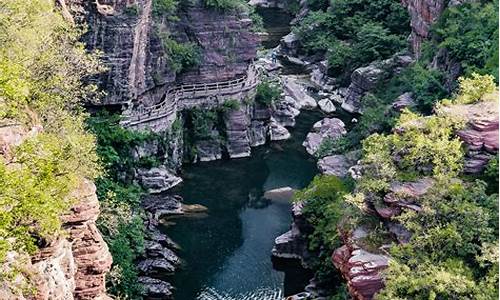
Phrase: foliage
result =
(267, 93)
(491, 175)
(353, 33)
(165, 7)
(469, 33)
(474, 88)
(42, 67)
(231, 104)
(120, 219)
(204, 122)
(449, 254)
(324, 208)
(180, 56)
(226, 4)
(332, 146)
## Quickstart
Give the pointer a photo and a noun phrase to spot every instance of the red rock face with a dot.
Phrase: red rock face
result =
(423, 14)
(360, 268)
(90, 252)
(480, 136)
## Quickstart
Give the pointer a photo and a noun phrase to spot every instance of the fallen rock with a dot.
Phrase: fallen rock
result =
(156, 288)
(338, 165)
(326, 106)
(157, 180)
(156, 266)
(297, 91)
(331, 128)
(278, 132)
(403, 101)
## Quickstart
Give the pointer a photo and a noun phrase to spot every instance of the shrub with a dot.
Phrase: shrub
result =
(231, 104)
(42, 69)
(226, 4)
(267, 93)
(181, 56)
(165, 7)
(469, 33)
(473, 89)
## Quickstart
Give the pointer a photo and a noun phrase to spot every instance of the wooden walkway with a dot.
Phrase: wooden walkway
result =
(173, 98)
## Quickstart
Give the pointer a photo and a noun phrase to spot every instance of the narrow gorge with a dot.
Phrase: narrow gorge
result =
(249, 149)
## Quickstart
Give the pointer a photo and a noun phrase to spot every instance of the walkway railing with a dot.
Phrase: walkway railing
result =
(170, 101)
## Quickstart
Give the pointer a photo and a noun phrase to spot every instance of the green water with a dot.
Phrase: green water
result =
(227, 254)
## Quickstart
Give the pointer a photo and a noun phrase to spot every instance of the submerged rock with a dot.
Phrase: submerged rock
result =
(280, 194)
(157, 180)
(331, 128)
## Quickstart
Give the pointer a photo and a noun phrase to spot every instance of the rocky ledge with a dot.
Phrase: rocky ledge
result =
(360, 268)
(480, 134)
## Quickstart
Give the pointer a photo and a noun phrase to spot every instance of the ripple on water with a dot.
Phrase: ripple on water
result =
(258, 294)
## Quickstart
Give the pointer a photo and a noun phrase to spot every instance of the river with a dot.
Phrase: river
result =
(227, 252)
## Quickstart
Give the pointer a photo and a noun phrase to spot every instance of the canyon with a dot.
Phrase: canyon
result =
(218, 217)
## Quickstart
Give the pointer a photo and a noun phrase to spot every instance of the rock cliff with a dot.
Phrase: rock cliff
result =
(130, 34)
(74, 265)
(423, 14)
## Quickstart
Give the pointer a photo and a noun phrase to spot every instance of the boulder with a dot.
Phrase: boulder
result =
(338, 165)
(156, 288)
(154, 249)
(293, 244)
(285, 111)
(157, 180)
(331, 128)
(403, 101)
(278, 132)
(294, 89)
(326, 106)
(367, 78)
(161, 206)
(480, 135)
(155, 266)
(361, 269)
